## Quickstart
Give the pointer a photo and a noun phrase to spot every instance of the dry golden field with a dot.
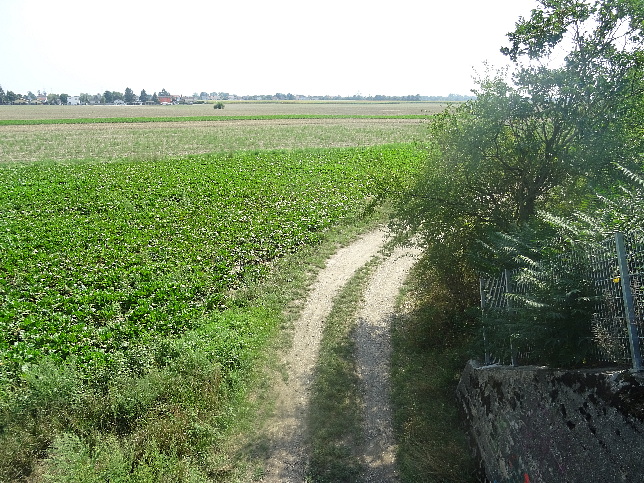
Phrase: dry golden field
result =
(142, 141)
(157, 140)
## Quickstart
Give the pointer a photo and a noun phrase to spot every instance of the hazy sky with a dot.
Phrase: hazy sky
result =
(345, 47)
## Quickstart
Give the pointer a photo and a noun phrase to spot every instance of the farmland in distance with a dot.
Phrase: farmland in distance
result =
(107, 141)
(167, 214)
(232, 108)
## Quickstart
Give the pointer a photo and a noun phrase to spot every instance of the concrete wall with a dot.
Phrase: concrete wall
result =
(543, 425)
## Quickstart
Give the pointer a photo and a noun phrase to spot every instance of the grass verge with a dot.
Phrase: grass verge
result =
(430, 348)
(335, 415)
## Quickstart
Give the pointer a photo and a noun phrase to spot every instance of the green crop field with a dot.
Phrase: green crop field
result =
(125, 348)
(111, 230)
(99, 254)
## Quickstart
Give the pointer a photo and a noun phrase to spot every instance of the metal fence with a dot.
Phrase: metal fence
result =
(615, 271)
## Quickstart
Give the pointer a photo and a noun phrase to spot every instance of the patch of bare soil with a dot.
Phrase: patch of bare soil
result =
(288, 460)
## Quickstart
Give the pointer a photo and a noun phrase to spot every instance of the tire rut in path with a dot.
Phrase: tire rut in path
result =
(373, 356)
(288, 459)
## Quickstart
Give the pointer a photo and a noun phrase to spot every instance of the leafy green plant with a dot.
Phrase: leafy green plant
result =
(548, 317)
(552, 297)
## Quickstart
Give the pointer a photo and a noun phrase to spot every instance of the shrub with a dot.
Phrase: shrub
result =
(549, 317)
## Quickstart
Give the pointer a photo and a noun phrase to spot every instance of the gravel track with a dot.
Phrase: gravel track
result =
(288, 460)
(373, 355)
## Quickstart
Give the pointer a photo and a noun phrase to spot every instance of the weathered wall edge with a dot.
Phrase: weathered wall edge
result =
(543, 425)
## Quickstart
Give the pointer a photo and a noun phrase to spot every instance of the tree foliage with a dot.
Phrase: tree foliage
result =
(600, 84)
(540, 138)
(129, 97)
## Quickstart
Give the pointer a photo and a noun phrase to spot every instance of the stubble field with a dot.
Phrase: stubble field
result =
(361, 125)
(161, 140)
(232, 108)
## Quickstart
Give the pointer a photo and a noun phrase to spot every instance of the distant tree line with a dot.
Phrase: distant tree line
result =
(107, 97)
(129, 97)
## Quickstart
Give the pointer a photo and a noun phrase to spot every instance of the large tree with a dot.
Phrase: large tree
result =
(538, 138)
(599, 86)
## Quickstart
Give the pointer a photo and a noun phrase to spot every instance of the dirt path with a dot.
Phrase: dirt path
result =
(373, 353)
(287, 432)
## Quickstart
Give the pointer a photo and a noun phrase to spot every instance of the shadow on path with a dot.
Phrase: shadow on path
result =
(287, 435)
(373, 356)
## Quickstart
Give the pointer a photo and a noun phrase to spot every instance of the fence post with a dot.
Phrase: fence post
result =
(629, 309)
(508, 304)
(483, 304)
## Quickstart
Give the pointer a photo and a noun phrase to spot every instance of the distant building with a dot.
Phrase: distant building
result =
(73, 100)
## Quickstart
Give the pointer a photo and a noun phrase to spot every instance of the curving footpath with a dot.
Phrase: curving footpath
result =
(288, 460)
